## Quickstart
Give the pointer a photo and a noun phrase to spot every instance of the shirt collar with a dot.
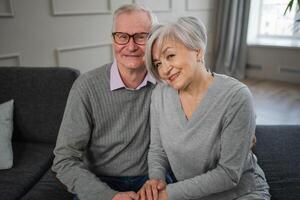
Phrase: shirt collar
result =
(117, 83)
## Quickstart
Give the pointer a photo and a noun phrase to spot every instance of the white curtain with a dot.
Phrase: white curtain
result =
(231, 37)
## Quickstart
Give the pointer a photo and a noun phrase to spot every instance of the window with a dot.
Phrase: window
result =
(269, 26)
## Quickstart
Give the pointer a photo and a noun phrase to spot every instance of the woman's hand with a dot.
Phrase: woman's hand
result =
(126, 196)
(151, 189)
(163, 195)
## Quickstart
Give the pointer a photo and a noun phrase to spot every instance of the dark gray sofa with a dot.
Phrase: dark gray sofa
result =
(40, 96)
(278, 152)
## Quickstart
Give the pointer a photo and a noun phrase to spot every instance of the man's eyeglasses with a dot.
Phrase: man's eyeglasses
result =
(123, 38)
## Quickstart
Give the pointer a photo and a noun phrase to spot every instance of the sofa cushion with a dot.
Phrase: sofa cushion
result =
(278, 153)
(40, 95)
(48, 188)
(31, 161)
(6, 128)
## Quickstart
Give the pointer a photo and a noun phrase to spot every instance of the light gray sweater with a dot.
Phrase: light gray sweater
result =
(103, 132)
(209, 153)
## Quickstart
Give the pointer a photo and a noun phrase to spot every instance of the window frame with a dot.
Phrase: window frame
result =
(255, 38)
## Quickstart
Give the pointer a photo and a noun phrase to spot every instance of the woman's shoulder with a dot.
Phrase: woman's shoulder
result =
(228, 81)
(229, 84)
(162, 92)
(229, 89)
(161, 89)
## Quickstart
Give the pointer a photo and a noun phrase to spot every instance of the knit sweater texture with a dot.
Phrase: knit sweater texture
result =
(209, 154)
(103, 133)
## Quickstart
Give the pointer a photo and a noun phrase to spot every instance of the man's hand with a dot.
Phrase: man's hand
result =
(126, 196)
(151, 189)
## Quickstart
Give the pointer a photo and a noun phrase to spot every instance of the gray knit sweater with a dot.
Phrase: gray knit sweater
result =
(103, 132)
(209, 153)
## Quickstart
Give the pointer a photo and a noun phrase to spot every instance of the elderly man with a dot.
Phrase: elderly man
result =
(102, 146)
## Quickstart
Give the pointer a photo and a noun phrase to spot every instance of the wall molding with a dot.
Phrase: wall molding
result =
(166, 10)
(57, 12)
(59, 51)
(188, 7)
(15, 56)
(10, 12)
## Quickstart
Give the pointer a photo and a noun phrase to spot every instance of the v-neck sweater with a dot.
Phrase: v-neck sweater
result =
(209, 154)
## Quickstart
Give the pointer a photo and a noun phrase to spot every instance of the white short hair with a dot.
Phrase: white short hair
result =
(189, 31)
(128, 8)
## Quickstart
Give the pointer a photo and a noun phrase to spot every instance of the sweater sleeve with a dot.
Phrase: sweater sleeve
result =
(238, 125)
(157, 159)
(72, 142)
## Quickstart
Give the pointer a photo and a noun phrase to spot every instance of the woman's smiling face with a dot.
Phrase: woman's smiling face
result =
(175, 63)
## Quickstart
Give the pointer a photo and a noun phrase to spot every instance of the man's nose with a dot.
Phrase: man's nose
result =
(132, 45)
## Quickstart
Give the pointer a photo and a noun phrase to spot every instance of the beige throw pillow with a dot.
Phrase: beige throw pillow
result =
(6, 129)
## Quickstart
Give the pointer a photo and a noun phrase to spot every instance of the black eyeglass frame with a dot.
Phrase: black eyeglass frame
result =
(130, 36)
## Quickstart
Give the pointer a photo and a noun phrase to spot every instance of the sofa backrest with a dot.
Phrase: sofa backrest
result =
(278, 153)
(40, 95)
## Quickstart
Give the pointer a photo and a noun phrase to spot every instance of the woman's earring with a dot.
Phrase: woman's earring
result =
(199, 57)
(200, 60)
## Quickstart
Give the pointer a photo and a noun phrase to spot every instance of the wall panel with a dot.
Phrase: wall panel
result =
(10, 60)
(47, 32)
(157, 5)
(79, 7)
(6, 8)
(198, 5)
(84, 58)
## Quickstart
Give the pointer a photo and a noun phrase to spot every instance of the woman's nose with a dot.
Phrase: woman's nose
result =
(166, 67)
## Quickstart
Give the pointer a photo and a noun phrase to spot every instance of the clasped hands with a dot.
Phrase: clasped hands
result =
(152, 190)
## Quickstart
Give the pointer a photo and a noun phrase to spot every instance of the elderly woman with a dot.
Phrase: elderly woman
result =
(201, 122)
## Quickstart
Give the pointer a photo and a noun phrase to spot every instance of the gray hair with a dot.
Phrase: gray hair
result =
(128, 8)
(189, 31)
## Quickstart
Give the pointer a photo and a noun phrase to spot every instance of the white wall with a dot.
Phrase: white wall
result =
(77, 33)
(274, 63)
(271, 58)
